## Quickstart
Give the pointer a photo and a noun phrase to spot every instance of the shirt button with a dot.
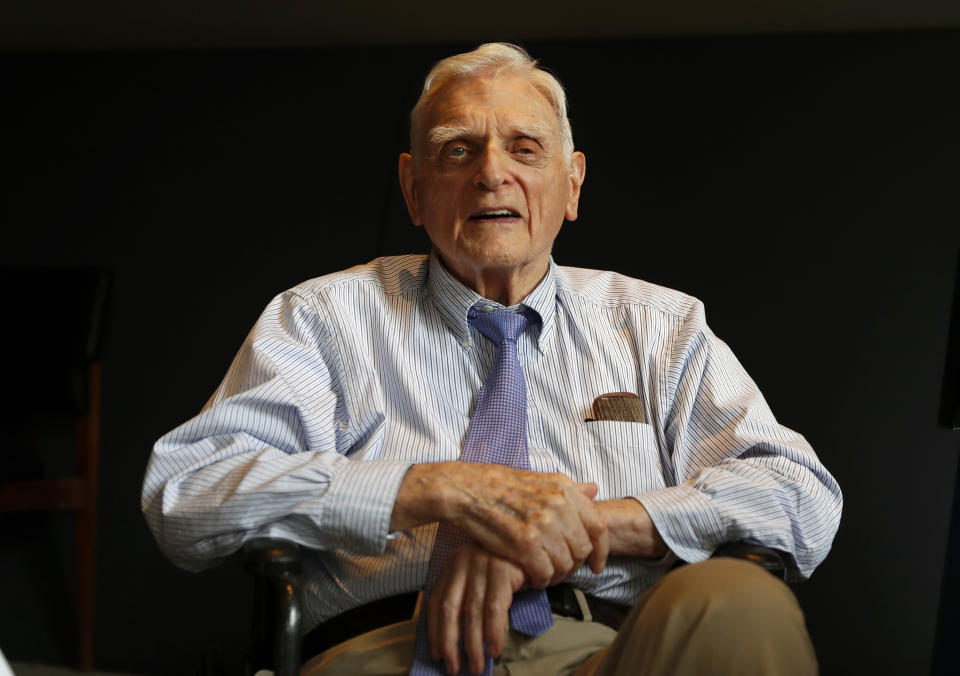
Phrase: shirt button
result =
(488, 308)
(465, 342)
(342, 424)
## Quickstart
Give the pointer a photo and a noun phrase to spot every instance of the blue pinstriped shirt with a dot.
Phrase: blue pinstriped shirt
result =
(348, 379)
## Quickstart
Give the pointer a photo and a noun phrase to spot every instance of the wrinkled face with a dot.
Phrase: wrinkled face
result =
(491, 185)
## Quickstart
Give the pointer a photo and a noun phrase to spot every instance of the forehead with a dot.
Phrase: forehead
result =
(503, 99)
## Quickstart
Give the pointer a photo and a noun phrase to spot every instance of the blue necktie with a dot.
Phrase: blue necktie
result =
(497, 434)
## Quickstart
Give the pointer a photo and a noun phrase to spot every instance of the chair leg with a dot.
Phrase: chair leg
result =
(88, 445)
(86, 578)
(286, 650)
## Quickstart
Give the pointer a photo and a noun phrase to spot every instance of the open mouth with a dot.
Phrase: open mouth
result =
(494, 214)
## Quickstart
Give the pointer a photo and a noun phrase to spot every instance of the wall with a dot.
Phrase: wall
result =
(803, 186)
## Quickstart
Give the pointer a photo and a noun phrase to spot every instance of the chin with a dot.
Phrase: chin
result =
(492, 258)
(497, 248)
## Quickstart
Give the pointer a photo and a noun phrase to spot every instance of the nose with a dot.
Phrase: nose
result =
(492, 171)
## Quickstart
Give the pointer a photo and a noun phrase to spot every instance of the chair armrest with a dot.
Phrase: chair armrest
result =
(771, 559)
(271, 557)
(275, 636)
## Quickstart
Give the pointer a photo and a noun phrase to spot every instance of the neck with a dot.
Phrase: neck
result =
(506, 292)
(507, 286)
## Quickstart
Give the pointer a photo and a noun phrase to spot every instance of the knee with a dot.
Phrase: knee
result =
(725, 588)
(726, 613)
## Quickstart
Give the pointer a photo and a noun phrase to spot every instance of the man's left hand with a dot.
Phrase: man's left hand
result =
(472, 595)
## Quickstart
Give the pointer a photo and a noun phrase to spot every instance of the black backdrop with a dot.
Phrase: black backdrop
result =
(804, 187)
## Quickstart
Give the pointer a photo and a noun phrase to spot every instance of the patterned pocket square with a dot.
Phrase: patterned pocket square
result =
(622, 406)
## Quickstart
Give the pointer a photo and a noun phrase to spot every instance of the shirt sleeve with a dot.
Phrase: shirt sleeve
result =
(737, 475)
(272, 453)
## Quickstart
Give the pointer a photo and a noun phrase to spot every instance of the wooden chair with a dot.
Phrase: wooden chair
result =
(276, 641)
(52, 336)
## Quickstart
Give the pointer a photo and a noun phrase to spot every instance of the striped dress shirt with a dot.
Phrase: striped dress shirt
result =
(348, 379)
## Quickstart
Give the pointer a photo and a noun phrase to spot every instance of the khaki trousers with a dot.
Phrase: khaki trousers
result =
(722, 616)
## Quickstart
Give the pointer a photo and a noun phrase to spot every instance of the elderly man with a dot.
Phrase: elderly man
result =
(440, 422)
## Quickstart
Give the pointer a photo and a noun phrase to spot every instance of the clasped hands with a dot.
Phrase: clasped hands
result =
(526, 528)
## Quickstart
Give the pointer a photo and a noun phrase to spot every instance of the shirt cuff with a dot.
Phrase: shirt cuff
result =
(686, 520)
(360, 503)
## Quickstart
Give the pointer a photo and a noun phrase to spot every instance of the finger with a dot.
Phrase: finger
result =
(504, 579)
(579, 519)
(586, 536)
(598, 557)
(554, 541)
(450, 634)
(596, 529)
(562, 548)
(473, 612)
(566, 540)
(589, 489)
(443, 620)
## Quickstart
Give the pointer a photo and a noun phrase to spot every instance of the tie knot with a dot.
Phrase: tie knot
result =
(500, 325)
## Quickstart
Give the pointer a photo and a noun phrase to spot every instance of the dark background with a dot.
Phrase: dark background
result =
(803, 186)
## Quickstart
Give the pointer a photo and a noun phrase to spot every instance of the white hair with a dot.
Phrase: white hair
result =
(493, 57)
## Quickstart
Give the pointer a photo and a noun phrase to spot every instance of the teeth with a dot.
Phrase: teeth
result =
(496, 213)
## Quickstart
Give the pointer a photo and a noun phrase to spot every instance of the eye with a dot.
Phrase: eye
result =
(457, 151)
(526, 147)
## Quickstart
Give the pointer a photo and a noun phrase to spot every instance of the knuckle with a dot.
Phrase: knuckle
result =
(597, 527)
(556, 498)
(539, 522)
(529, 538)
(540, 579)
(582, 550)
(448, 608)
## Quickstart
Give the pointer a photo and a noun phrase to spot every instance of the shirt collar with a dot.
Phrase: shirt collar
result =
(453, 300)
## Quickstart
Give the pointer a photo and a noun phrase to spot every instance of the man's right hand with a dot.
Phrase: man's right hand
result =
(546, 524)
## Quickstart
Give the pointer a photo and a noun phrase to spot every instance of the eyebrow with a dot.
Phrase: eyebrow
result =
(443, 133)
(536, 132)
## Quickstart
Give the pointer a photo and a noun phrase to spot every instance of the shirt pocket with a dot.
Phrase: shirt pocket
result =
(622, 457)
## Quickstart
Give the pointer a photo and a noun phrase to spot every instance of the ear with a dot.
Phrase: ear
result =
(578, 171)
(408, 184)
